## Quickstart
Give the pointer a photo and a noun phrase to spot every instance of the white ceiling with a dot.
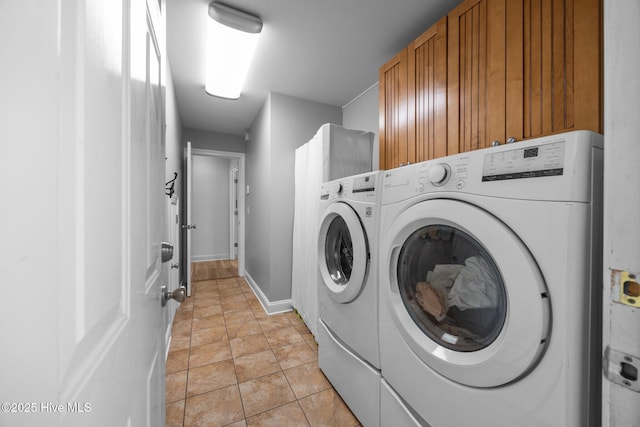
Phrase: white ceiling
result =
(327, 51)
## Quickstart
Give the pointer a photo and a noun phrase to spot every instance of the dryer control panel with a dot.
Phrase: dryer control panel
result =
(364, 187)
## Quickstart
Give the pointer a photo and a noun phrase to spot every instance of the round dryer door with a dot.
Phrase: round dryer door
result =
(343, 252)
(466, 294)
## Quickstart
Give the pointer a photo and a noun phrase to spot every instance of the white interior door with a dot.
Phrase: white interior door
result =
(233, 213)
(173, 230)
(82, 135)
(187, 226)
(172, 268)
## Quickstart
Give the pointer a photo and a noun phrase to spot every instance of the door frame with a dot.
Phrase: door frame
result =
(241, 201)
(233, 212)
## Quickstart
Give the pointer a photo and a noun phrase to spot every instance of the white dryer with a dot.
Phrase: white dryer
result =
(490, 273)
(348, 339)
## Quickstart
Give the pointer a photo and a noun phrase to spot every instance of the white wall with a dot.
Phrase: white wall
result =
(218, 141)
(210, 204)
(362, 114)
(295, 121)
(258, 213)
(283, 124)
(173, 133)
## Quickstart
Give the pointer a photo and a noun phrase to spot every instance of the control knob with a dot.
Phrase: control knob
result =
(439, 174)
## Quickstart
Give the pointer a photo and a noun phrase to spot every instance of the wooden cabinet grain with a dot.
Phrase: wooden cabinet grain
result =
(413, 101)
(561, 65)
(490, 70)
(394, 148)
(523, 69)
(427, 93)
(476, 75)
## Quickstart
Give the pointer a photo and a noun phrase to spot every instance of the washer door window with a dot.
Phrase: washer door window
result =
(465, 293)
(452, 288)
(343, 252)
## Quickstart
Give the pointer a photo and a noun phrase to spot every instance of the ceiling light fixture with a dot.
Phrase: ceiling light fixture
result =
(232, 39)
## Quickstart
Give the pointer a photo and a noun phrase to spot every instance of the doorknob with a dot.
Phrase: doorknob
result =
(175, 265)
(178, 294)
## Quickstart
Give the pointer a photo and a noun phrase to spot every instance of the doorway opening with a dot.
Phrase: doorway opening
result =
(214, 215)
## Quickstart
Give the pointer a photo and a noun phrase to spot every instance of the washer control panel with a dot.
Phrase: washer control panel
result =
(527, 162)
(555, 167)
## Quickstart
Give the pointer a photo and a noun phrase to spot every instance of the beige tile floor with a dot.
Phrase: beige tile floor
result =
(231, 364)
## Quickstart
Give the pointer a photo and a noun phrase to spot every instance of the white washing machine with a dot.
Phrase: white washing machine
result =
(348, 339)
(490, 280)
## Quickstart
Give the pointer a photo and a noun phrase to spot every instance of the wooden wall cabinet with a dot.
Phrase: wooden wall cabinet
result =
(490, 70)
(427, 93)
(392, 134)
(413, 101)
(523, 69)
(476, 106)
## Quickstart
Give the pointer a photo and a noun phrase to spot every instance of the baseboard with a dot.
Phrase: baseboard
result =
(210, 257)
(269, 307)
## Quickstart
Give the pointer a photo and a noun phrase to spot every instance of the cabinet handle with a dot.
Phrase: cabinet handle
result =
(495, 143)
(511, 140)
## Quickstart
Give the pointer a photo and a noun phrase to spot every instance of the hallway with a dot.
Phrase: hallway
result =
(231, 364)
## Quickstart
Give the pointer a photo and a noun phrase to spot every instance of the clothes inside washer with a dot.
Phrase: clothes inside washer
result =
(475, 286)
(432, 300)
(339, 251)
(432, 295)
(451, 288)
(466, 286)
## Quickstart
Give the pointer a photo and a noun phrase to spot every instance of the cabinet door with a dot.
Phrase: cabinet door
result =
(476, 75)
(560, 56)
(394, 148)
(427, 95)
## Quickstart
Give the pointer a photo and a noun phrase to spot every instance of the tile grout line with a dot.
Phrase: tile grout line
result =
(290, 323)
(233, 359)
